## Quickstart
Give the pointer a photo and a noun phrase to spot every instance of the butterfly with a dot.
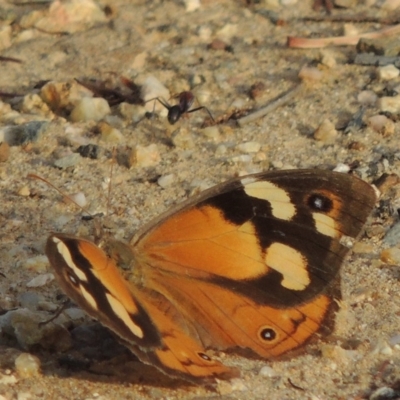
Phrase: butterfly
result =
(250, 264)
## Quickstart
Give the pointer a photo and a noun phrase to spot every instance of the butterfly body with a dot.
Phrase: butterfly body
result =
(252, 263)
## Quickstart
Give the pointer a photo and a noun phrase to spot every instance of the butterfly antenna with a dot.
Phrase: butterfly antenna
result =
(34, 176)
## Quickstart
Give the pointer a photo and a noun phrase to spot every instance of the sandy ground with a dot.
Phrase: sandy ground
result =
(159, 38)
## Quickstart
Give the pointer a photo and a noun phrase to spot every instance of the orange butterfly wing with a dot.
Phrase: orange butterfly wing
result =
(252, 263)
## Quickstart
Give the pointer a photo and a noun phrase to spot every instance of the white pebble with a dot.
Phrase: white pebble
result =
(390, 104)
(310, 74)
(40, 280)
(27, 365)
(90, 109)
(211, 132)
(243, 158)
(249, 147)
(191, 5)
(343, 168)
(387, 72)
(166, 180)
(152, 88)
(79, 198)
(24, 191)
(267, 371)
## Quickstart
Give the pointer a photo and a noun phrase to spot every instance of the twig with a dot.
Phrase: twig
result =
(305, 43)
(359, 18)
(273, 105)
(11, 59)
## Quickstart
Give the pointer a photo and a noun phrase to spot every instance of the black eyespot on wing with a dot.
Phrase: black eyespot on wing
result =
(268, 334)
(320, 203)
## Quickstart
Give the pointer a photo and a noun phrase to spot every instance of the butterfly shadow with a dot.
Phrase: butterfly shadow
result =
(96, 355)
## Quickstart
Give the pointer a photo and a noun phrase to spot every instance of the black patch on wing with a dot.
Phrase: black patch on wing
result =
(322, 253)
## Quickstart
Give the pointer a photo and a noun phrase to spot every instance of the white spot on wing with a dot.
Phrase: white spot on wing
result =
(290, 263)
(325, 225)
(88, 297)
(66, 255)
(280, 202)
(120, 310)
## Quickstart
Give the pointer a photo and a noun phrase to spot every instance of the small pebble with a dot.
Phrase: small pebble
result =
(151, 89)
(311, 74)
(90, 109)
(4, 152)
(110, 134)
(71, 16)
(37, 264)
(79, 199)
(343, 168)
(367, 97)
(391, 256)
(221, 150)
(326, 132)
(21, 134)
(70, 160)
(147, 156)
(166, 180)
(40, 280)
(7, 380)
(382, 347)
(387, 72)
(24, 191)
(328, 58)
(192, 5)
(211, 132)
(92, 151)
(383, 393)
(350, 30)
(242, 158)
(362, 248)
(141, 156)
(382, 124)
(390, 104)
(268, 372)
(27, 365)
(249, 147)
(226, 387)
